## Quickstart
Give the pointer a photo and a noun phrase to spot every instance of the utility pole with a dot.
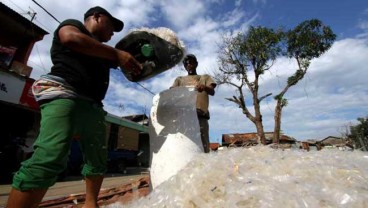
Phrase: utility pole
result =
(46, 11)
(32, 14)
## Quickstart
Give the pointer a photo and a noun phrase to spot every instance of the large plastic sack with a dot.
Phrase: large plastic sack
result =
(174, 133)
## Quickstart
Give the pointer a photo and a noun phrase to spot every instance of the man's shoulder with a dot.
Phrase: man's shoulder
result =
(180, 77)
(208, 80)
(72, 22)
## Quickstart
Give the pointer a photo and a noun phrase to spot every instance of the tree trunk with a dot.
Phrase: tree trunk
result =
(362, 143)
(260, 132)
(259, 126)
(258, 116)
(277, 129)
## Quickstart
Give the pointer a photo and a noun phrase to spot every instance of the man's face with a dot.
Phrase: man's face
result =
(191, 66)
(105, 28)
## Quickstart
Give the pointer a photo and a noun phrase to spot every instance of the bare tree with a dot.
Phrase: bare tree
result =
(255, 51)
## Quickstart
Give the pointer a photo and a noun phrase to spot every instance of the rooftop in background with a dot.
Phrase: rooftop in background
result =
(252, 137)
(138, 118)
(126, 122)
(11, 19)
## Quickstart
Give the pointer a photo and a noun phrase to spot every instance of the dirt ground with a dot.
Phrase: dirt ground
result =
(74, 189)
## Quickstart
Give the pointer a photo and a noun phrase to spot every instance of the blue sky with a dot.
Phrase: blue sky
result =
(331, 96)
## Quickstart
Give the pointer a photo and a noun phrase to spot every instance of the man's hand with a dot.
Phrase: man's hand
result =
(201, 87)
(209, 89)
(129, 63)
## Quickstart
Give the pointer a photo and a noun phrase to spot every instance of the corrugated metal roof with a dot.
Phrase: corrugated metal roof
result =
(252, 137)
(125, 122)
(214, 146)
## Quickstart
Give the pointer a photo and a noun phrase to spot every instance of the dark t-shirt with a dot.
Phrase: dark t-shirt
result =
(87, 74)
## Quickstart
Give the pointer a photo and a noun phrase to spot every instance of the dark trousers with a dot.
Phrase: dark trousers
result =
(204, 128)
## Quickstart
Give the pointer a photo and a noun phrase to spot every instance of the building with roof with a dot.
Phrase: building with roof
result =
(251, 139)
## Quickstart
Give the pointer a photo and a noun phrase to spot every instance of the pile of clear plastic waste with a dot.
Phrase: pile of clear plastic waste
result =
(264, 177)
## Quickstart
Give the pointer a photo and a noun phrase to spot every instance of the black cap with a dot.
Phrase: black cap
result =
(189, 57)
(118, 24)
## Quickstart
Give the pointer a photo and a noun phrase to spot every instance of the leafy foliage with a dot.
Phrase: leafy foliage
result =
(257, 51)
(359, 133)
(260, 45)
(309, 40)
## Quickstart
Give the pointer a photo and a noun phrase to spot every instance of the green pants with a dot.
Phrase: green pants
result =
(61, 121)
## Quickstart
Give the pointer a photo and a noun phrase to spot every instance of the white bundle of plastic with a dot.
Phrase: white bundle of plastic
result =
(164, 33)
(265, 177)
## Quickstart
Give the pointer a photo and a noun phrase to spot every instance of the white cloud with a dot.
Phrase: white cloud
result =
(363, 24)
(182, 13)
(332, 94)
(232, 18)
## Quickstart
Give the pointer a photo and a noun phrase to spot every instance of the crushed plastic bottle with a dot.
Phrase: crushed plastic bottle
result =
(264, 177)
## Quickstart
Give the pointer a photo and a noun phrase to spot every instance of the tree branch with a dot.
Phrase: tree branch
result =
(263, 97)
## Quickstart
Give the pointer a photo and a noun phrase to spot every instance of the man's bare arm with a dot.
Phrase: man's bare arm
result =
(73, 38)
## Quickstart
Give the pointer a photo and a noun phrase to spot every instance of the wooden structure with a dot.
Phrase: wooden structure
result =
(251, 139)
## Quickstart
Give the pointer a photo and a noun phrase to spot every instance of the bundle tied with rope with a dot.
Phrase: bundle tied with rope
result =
(157, 49)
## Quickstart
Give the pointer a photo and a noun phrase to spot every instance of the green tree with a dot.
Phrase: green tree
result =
(359, 134)
(256, 51)
(307, 41)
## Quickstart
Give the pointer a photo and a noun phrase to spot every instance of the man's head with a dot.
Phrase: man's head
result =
(190, 64)
(104, 23)
(118, 24)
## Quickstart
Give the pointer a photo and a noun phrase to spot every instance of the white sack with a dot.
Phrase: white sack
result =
(174, 133)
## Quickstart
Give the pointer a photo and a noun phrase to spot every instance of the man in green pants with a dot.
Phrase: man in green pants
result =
(70, 98)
